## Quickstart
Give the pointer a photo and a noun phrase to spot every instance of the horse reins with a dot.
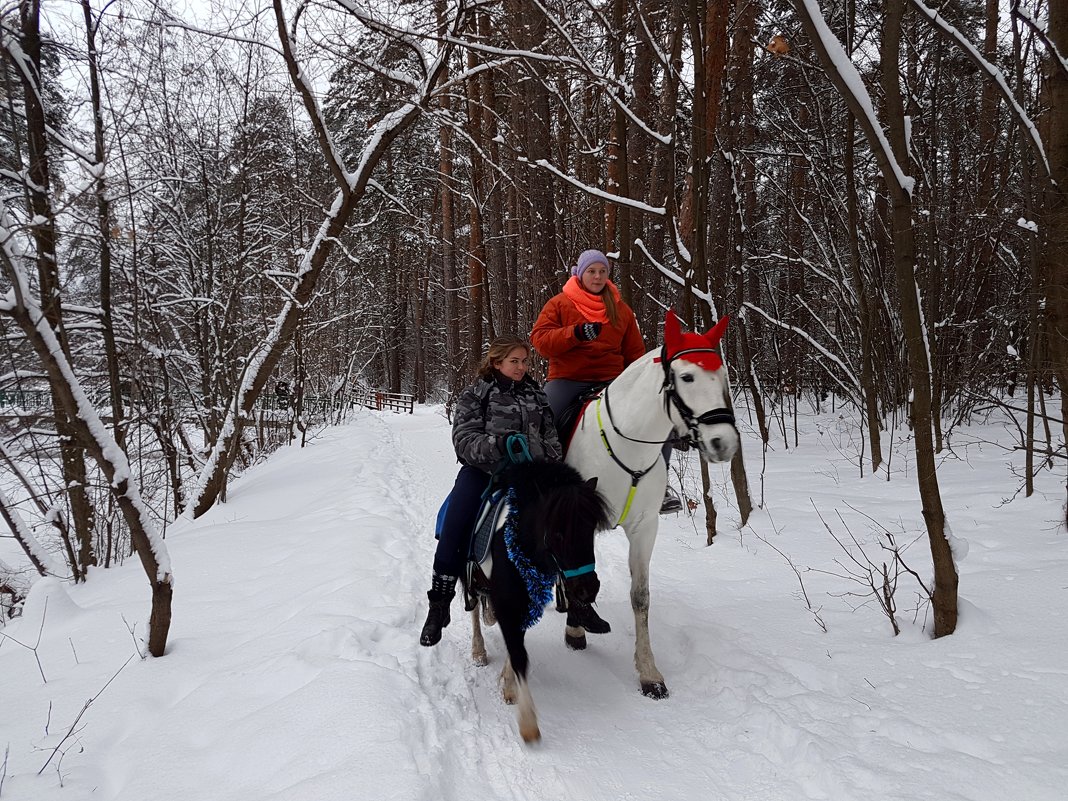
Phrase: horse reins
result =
(671, 396)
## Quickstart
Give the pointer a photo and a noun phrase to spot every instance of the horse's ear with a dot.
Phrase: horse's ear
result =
(592, 483)
(715, 333)
(672, 332)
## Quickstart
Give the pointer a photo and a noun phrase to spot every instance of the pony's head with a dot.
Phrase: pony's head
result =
(696, 391)
(559, 513)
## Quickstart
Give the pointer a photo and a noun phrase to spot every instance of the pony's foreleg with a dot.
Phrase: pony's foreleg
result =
(509, 692)
(574, 636)
(641, 550)
(478, 644)
(528, 715)
(514, 683)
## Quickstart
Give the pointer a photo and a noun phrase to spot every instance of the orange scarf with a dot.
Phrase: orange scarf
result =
(589, 305)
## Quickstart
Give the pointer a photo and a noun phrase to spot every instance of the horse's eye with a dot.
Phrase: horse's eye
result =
(687, 377)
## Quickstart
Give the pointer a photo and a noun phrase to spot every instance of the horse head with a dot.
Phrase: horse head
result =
(696, 390)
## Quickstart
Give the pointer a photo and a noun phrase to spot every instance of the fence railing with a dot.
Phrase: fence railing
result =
(311, 404)
(26, 399)
(41, 400)
(394, 401)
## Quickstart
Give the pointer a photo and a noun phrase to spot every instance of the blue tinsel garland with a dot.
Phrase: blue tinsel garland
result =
(539, 585)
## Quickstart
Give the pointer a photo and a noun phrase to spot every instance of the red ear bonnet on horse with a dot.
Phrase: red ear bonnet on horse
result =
(699, 345)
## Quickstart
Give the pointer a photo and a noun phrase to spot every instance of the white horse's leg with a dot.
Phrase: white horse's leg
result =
(478, 644)
(489, 617)
(509, 692)
(642, 538)
(528, 715)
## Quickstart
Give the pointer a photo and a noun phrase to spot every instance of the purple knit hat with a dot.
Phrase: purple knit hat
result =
(585, 259)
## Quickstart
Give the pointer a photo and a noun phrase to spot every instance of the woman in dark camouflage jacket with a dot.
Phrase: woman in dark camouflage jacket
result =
(503, 401)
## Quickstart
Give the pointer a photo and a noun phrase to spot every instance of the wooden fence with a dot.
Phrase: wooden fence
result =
(394, 401)
(14, 401)
(26, 399)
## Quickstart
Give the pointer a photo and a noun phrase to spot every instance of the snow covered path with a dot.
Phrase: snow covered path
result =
(294, 671)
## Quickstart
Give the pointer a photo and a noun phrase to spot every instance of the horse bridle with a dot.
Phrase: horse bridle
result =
(568, 573)
(720, 414)
(671, 397)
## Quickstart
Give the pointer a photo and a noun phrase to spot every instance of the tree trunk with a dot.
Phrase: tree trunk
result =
(1054, 254)
(43, 229)
(945, 571)
(476, 246)
(863, 290)
(892, 160)
(618, 218)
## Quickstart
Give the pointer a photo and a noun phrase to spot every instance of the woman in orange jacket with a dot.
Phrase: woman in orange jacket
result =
(589, 335)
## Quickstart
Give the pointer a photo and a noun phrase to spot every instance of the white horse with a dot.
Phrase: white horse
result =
(680, 388)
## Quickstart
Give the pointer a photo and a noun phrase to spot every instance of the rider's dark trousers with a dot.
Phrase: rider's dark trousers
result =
(455, 539)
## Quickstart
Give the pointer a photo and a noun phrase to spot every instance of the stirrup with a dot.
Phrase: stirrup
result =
(671, 503)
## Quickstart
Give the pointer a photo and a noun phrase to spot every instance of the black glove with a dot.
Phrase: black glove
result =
(587, 332)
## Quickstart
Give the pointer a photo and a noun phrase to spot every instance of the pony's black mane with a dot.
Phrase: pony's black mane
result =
(558, 495)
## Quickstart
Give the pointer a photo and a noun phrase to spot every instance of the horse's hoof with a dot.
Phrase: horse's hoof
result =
(480, 659)
(530, 735)
(656, 690)
(575, 643)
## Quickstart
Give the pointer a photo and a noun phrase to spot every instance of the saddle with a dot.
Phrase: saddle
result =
(569, 417)
(479, 561)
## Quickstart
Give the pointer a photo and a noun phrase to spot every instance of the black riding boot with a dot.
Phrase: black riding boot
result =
(584, 615)
(671, 502)
(442, 591)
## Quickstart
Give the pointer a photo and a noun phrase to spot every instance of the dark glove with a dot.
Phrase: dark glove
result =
(587, 332)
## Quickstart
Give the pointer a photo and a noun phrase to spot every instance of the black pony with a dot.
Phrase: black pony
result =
(545, 530)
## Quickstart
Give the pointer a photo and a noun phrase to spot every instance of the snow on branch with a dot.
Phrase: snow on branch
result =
(29, 75)
(805, 335)
(311, 102)
(41, 558)
(1030, 129)
(704, 296)
(101, 444)
(600, 77)
(352, 187)
(659, 211)
(1032, 23)
(841, 70)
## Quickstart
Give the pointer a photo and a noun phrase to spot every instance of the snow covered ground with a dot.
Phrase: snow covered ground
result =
(293, 670)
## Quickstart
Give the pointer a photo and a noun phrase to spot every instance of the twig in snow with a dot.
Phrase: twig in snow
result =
(33, 647)
(133, 636)
(86, 706)
(804, 593)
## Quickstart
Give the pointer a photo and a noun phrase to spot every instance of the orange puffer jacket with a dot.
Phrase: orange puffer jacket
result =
(569, 357)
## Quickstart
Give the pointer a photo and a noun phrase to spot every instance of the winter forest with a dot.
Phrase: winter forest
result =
(204, 201)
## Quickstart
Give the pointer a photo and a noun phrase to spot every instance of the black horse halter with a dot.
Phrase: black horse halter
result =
(720, 414)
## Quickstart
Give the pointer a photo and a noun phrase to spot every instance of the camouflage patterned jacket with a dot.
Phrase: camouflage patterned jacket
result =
(490, 410)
